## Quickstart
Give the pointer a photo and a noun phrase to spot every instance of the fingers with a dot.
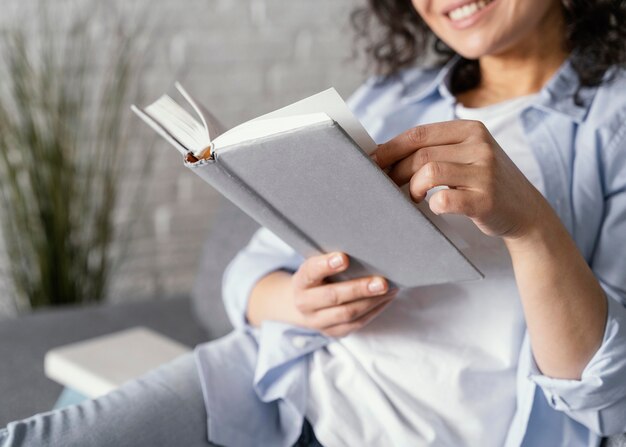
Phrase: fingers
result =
(437, 173)
(336, 294)
(402, 171)
(315, 269)
(348, 313)
(344, 305)
(343, 329)
(455, 201)
(436, 134)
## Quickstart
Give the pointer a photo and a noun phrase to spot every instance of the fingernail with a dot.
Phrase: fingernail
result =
(335, 262)
(374, 158)
(375, 286)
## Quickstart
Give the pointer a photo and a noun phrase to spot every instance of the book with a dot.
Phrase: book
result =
(304, 172)
(97, 366)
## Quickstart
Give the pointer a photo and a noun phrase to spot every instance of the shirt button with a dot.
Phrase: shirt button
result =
(299, 341)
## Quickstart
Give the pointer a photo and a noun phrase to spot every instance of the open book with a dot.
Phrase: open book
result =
(303, 171)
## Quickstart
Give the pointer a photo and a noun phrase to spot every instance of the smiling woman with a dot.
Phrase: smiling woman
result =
(436, 364)
(594, 32)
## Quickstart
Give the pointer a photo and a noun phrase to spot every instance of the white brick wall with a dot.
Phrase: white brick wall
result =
(241, 58)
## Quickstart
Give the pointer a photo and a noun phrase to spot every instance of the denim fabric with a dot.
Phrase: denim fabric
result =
(162, 408)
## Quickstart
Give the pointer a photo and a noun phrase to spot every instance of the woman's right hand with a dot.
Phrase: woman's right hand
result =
(339, 308)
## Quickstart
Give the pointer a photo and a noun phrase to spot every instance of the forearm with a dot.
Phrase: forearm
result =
(271, 299)
(564, 305)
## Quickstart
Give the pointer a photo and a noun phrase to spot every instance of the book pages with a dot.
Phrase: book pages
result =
(330, 102)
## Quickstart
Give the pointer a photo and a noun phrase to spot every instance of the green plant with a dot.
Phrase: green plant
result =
(64, 99)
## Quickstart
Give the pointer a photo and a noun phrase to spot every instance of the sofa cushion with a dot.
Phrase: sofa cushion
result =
(24, 341)
(230, 232)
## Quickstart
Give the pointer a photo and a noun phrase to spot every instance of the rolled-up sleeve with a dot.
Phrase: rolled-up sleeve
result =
(598, 399)
(264, 254)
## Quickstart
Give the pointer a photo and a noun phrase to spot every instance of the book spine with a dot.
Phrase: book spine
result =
(239, 193)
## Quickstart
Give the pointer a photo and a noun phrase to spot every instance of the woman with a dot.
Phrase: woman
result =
(533, 178)
(439, 365)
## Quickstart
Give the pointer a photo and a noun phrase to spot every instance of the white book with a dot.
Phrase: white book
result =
(304, 172)
(99, 365)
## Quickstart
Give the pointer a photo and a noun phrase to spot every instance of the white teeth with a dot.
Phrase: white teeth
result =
(465, 11)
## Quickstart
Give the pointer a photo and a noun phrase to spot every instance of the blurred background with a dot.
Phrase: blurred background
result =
(240, 58)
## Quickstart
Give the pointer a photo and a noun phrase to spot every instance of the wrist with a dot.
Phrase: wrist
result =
(271, 299)
(544, 228)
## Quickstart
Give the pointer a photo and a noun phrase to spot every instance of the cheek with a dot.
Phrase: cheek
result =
(434, 20)
(425, 9)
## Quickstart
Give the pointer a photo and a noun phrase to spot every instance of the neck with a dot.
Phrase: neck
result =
(522, 69)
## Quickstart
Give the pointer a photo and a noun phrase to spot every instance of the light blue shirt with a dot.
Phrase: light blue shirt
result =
(254, 380)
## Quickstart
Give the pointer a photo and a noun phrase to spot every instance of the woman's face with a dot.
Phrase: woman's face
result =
(474, 28)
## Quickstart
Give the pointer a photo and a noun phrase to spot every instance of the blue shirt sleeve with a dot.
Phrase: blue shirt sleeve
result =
(598, 399)
(264, 254)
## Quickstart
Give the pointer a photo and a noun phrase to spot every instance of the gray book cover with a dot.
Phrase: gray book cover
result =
(303, 171)
(320, 192)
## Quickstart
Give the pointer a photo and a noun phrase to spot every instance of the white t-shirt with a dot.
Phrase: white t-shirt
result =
(438, 366)
(503, 122)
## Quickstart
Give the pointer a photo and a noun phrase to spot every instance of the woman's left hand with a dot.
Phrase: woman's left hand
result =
(485, 185)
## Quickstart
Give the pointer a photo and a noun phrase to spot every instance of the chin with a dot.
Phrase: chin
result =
(470, 53)
(471, 48)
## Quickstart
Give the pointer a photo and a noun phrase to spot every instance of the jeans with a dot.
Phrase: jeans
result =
(162, 408)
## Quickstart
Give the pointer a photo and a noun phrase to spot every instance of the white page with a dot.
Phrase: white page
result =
(331, 103)
(179, 123)
(159, 129)
(212, 125)
(251, 130)
(327, 101)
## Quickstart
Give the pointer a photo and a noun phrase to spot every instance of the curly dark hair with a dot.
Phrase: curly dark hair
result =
(596, 30)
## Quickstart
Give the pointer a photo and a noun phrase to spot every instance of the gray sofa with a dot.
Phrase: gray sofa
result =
(24, 390)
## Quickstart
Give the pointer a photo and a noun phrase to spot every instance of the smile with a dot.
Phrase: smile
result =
(468, 10)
